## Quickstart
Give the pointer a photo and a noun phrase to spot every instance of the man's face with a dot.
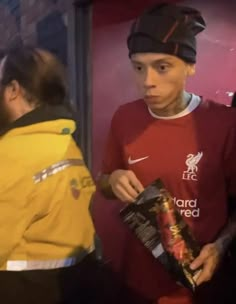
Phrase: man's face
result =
(4, 110)
(161, 78)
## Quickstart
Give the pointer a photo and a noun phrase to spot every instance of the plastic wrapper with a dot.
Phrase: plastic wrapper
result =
(159, 226)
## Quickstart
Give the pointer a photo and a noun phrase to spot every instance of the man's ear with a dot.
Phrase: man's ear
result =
(191, 69)
(12, 90)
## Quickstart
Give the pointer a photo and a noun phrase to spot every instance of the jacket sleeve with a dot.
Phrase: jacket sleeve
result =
(16, 213)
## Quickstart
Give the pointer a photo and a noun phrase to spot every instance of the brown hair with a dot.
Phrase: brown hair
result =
(38, 72)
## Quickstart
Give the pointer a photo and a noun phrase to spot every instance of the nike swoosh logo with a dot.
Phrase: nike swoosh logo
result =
(134, 161)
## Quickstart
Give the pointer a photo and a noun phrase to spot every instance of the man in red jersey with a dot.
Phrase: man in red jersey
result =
(186, 141)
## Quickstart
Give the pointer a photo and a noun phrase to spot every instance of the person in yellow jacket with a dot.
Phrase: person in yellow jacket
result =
(46, 231)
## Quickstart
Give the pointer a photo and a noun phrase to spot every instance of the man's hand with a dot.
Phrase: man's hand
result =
(125, 185)
(209, 260)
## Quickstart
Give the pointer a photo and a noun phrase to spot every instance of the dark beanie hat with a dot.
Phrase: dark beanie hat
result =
(169, 29)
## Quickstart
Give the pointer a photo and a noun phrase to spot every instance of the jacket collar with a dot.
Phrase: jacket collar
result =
(41, 114)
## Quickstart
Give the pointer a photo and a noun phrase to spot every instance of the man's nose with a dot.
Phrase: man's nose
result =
(150, 79)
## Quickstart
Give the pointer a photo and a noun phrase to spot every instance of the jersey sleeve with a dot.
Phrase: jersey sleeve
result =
(113, 157)
(230, 161)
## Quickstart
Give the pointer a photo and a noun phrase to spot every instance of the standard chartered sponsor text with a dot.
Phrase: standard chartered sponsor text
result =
(187, 208)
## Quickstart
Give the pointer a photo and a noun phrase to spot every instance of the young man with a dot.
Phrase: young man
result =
(186, 141)
(46, 233)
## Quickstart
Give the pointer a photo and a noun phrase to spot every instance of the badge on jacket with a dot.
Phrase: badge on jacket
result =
(75, 188)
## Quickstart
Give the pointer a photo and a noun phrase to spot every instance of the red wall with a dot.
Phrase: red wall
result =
(113, 84)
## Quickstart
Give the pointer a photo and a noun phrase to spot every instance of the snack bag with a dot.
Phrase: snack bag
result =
(159, 226)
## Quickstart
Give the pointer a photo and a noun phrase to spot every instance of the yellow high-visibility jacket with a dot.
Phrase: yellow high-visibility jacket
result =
(45, 192)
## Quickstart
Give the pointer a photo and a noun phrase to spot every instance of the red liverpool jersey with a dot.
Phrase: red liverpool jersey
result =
(193, 154)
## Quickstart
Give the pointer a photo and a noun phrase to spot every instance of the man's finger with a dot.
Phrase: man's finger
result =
(199, 261)
(204, 276)
(207, 272)
(130, 190)
(135, 183)
(197, 275)
(122, 194)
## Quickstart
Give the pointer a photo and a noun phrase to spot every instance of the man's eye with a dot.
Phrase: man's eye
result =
(138, 68)
(162, 68)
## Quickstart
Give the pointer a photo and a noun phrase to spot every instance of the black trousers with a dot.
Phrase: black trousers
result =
(89, 282)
